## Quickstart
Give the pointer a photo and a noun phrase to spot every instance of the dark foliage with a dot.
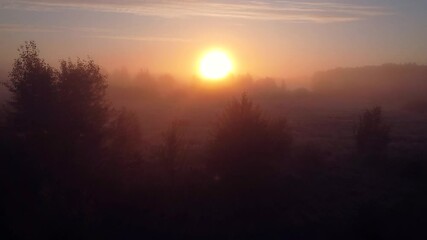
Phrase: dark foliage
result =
(84, 111)
(55, 137)
(33, 87)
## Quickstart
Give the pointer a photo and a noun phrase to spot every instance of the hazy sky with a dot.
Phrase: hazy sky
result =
(265, 37)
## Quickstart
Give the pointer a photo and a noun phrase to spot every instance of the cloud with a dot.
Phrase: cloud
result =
(24, 28)
(266, 10)
(144, 38)
(48, 29)
(93, 33)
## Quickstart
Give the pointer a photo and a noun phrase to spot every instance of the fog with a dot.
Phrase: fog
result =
(90, 154)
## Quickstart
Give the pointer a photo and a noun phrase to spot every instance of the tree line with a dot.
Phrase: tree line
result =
(74, 167)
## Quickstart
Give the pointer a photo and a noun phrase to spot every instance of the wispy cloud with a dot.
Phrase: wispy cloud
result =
(90, 32)
(267, 10)
(24, 28)
(49, 29)
(144, 38)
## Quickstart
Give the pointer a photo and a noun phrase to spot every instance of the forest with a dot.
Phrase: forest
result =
(86, 154)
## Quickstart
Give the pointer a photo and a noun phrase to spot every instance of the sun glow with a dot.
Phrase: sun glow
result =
(215, 65)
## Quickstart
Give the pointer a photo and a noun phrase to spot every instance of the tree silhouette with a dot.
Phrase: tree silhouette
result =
(246, 144)
(56, 128)
(123, 160)
(125, 136)
(82, 134)
(56, 114)
(172, 149)
(372, 134)
(32, 83)
(31, 114)
(84, 110)
(29, 133)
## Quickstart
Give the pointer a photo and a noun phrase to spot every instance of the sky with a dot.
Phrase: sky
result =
(276, 38)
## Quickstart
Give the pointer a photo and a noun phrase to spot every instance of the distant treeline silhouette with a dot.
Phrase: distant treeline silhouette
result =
(389, 83)
(75, 167)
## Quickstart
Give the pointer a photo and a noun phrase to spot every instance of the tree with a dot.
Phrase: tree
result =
(372, 134)
(31, 114)
(172, 149)
(247, 145)
(84, 112)
(56, 138)
(32, 83)
(29, 134)
(125, 141)
(123, 161)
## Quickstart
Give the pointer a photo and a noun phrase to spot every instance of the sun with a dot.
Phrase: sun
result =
(215, 65)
